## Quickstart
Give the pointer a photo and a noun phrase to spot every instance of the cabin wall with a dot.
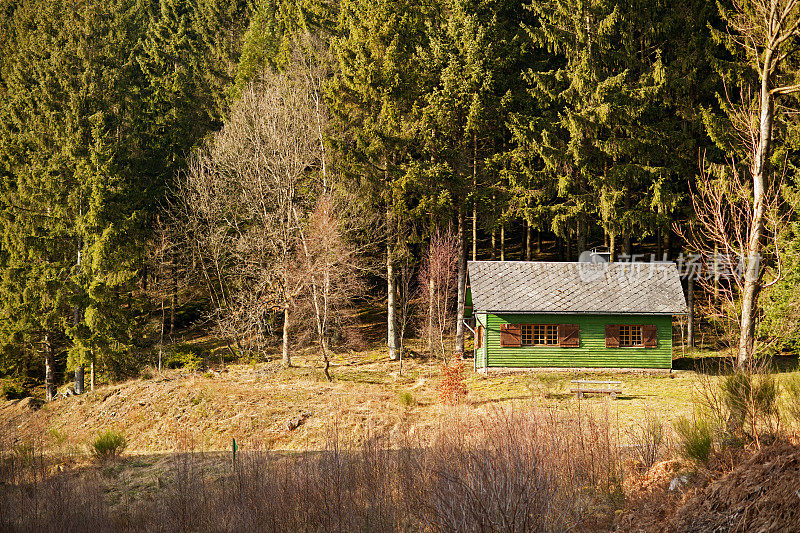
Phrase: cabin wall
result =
(480, 353)
(592, 351)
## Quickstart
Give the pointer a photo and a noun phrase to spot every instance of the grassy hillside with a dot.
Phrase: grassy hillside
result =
(179, 410)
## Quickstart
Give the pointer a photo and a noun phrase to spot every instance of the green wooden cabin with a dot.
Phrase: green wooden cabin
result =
(563, 315)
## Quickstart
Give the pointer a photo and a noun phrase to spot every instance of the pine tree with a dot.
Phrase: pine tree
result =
(64, 192)
(596, 136)
(473, 63)
(374, 96)
(277, 29)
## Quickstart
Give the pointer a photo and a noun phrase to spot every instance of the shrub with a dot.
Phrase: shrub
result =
(648, 439)
(109, 445)
(453, 387)
(696, 438)
(751, 399)
(791, 385)
(185, 360)
(407, 399)
(146, 373)
(13, 390)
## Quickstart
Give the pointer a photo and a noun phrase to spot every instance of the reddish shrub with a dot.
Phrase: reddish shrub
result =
(453, 387)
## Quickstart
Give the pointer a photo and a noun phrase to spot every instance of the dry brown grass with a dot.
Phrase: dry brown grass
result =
(362, 459)
(527, 469)
(253, 404)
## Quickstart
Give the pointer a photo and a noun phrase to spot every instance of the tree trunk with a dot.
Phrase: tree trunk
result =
(690, 317)
(659, 245)
(716, 273)
(391, 301)
(494, 227)
(91, 376)
(174, 306)
(494, 244)
(627, 247)
(528, 231)
(503, 242)
(582, 231)
(462, 286)
(538, 241)
(612, 246)
(49, 377)
(752, 275)
(474, 197)
(431, 297)
(79, 379)
(287, 360)
(161, 337)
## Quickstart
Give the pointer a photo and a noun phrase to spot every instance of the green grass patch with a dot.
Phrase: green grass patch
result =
(109, 445)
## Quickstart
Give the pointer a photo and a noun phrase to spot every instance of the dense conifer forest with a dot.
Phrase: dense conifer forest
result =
(278, 171)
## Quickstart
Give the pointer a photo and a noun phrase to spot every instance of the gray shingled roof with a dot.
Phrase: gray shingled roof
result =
(597, 288)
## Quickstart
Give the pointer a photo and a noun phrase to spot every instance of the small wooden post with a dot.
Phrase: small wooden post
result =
(234, 447)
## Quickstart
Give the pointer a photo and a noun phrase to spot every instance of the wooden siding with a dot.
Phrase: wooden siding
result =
(592, 351)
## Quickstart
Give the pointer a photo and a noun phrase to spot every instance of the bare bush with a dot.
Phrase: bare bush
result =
(648, 439)
(438, 279)
(524, 470)
(532, 470)
(453, 387)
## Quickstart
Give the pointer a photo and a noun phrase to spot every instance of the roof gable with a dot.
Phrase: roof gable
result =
(599, 288)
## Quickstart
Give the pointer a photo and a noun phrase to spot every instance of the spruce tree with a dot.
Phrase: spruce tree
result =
(374, 96)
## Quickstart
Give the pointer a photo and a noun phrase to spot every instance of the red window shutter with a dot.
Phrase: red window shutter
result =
(569, 335)
(510, 335)
(650, 336)
(479, 337)
(612, 336)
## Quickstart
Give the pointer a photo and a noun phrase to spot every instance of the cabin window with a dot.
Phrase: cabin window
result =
(630, 336)
(539, 335)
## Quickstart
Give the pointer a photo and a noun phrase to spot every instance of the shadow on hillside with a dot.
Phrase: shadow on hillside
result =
(488, 401)
(718, 365)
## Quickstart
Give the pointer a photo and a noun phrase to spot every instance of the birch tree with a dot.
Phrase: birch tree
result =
(765, 33)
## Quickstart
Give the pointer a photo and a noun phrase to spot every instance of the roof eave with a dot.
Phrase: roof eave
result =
(528, 312)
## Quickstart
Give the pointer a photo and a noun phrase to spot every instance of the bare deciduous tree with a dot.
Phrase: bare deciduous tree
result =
(766, 33)
(242, 207)
(330, 264)
(723, 207)
(438, 283)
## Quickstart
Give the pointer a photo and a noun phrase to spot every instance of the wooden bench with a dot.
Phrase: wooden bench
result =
(582, 387)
